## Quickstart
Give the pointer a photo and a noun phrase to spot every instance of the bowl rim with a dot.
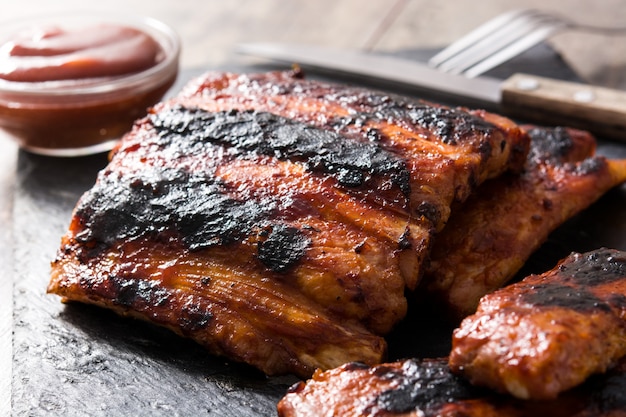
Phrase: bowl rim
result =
(166, 36)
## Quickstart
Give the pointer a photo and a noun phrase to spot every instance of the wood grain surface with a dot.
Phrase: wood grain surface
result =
(600, 110)
(209, 29)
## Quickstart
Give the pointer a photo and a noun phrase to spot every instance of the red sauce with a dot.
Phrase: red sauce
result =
(67, 89)
(53, 53)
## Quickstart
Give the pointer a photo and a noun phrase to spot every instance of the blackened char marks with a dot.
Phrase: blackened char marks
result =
(424, 386)
(549, 144)
(588, 166)
(556, 295)
(283, 247)
(351, 162)
(555, 147)
(138, 293)
(451, 125)
(595, 268)
(147, 296)
(429, 211)
(161, 200)
(578, 275)
(610, 393)
(194, 316)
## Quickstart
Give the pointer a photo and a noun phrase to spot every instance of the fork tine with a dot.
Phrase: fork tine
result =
(513, 50)
(475, 35)
(527, 25)
(489, 44)
(504, 37)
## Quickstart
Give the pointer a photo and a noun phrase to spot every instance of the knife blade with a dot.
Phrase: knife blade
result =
(527, 97)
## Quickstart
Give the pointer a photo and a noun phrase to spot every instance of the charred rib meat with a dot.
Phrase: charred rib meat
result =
(275, 220)
(427, 388)
(549, 332)
(492, 235)
(541, 337)
(446, 151)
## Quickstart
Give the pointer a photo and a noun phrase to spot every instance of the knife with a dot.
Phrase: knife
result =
(527, 97)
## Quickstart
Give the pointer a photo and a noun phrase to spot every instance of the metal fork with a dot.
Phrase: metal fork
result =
(503, 38)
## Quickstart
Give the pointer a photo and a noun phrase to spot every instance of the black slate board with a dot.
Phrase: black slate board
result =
(76, 360)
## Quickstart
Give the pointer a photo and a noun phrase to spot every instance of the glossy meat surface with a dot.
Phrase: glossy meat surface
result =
(277, 221)
(550, 332)
(446, 151)
(427, 388)
(490, 237)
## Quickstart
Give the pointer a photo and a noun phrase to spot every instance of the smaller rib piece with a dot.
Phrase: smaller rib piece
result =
(427, 388)
(549, 332)
(490, 237)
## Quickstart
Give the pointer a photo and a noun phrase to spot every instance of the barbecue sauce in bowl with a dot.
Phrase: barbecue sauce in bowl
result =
(74, 85)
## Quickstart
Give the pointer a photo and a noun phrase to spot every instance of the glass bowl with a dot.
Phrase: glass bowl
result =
(74, 117)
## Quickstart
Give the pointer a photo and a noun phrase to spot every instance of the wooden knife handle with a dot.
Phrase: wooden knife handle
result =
(596, 109)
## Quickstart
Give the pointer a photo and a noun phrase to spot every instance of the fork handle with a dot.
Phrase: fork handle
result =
(596, 109)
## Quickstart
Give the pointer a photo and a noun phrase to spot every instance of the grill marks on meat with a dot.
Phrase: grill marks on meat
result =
(428, 388)
(392, 389)
(490, 237)
(446, 151)
(228, 306)
(277, 221)
(198, 227)
(157, 201)
(563, 332)
(352, 163)
(549, 332)
(353, 250)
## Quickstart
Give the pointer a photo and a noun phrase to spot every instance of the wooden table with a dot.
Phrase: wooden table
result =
(209, 30)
